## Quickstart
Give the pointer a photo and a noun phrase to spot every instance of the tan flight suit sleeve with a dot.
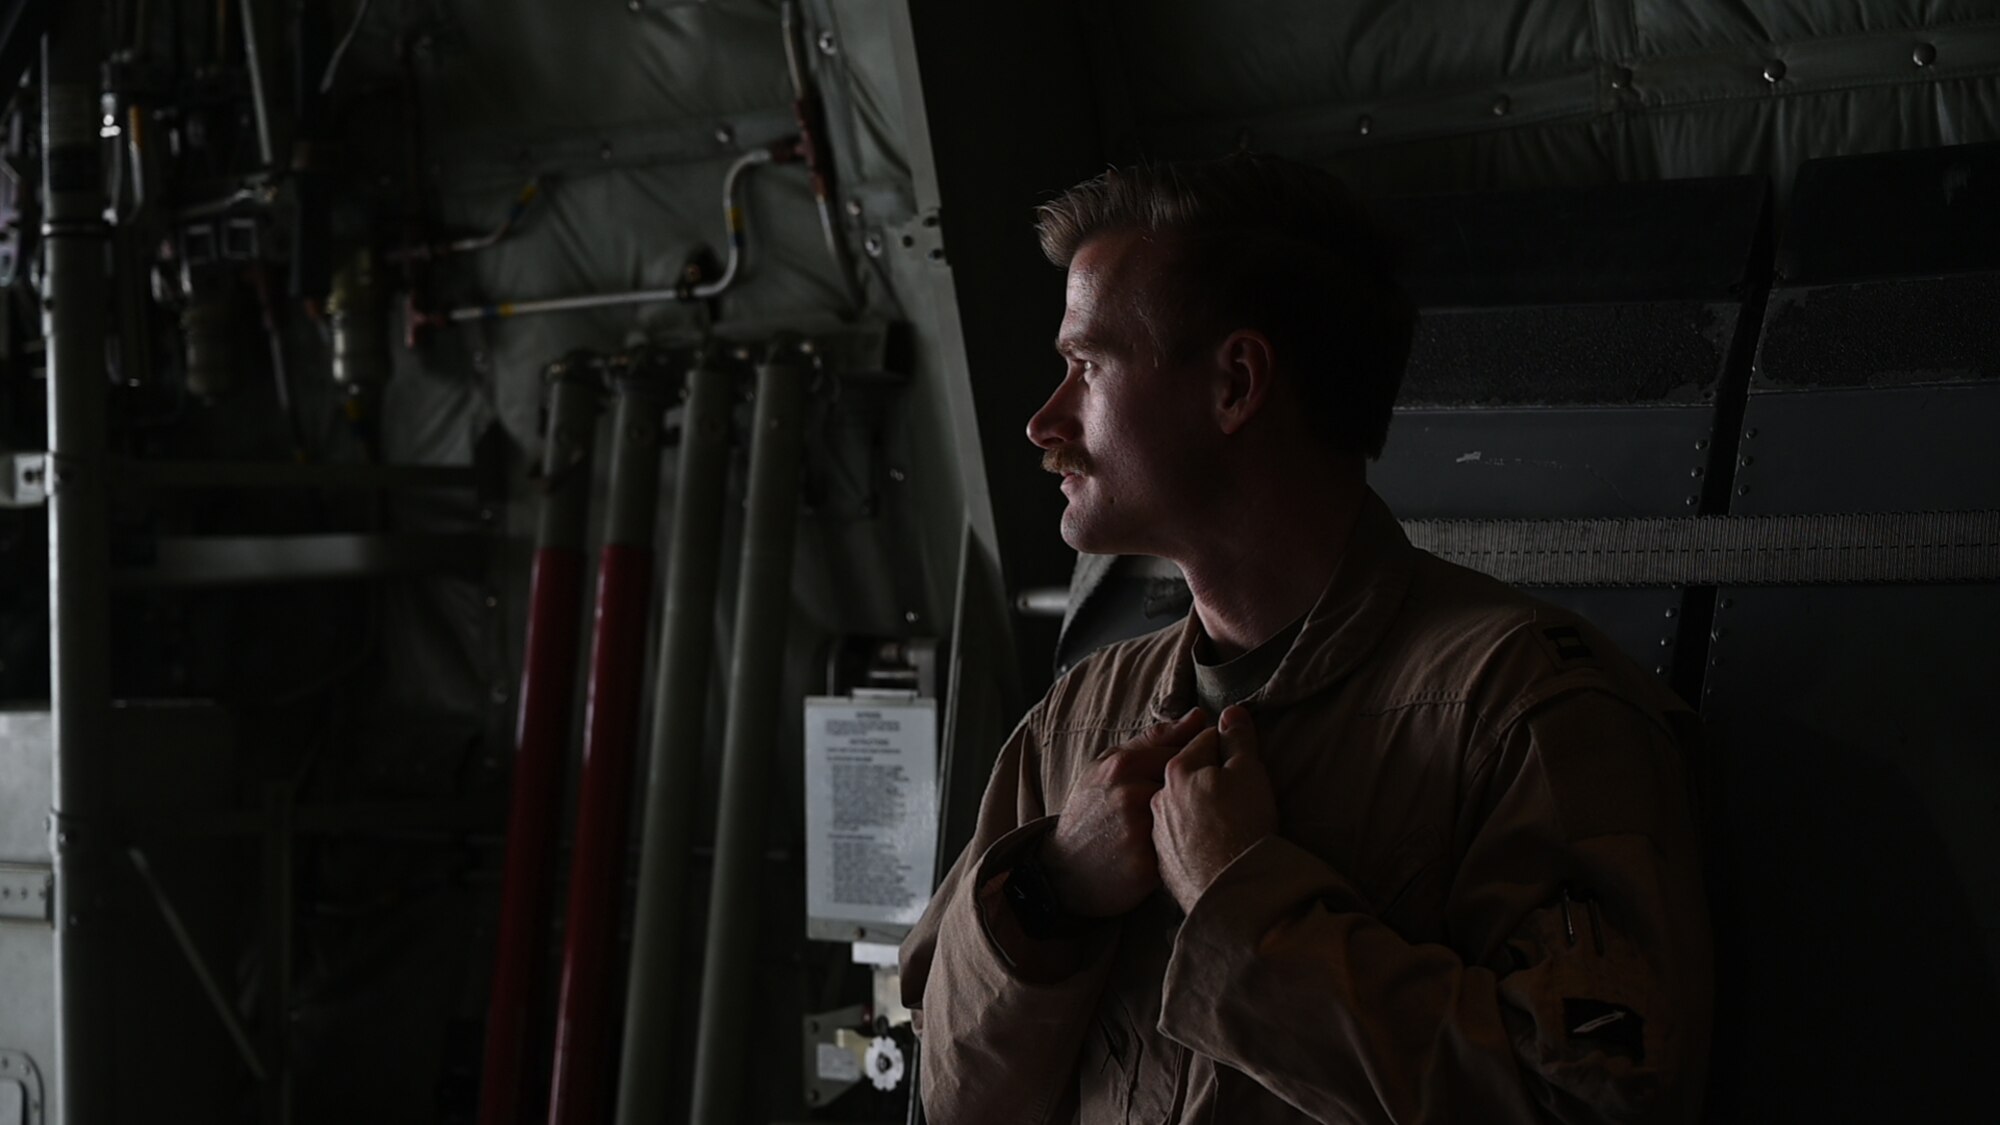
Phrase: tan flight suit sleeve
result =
(1576, 983)
(1001, 1016)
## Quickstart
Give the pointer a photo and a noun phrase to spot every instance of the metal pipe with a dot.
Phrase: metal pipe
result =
(74, 236)
(224, 1010)
(732, 216)
(280, 801)
(253, 57)
(617, 663)
(1042, 601)
(680, 703)
(763, 611)
(508, 1079)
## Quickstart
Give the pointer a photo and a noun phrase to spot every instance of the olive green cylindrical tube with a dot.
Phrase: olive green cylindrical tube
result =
(73, 322)
(680, 697)
(763, 610)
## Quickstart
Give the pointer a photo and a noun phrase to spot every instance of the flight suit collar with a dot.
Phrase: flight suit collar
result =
(1342, 628)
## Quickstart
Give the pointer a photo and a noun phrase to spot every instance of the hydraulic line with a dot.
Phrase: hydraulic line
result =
(681, 702)
(617, 662)
(548, 696)
(763, 612)
(253, 55)
(809, 113)
(431, 250)
(732, 215)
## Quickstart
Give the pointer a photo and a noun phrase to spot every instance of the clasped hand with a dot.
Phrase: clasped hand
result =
(1171, 808)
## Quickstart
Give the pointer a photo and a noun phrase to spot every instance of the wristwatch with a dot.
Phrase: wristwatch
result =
(1033, 900)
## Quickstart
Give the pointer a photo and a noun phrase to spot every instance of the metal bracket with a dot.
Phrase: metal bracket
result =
(924, 237)
(25, 481)
(17, 1069)
(27, 892)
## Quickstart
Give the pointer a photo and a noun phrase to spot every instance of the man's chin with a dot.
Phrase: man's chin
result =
(1089, 536)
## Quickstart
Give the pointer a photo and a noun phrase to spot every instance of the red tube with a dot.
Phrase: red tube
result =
(547, 695)
(597, 859)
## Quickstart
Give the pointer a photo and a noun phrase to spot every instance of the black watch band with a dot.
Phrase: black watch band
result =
(1033, 900)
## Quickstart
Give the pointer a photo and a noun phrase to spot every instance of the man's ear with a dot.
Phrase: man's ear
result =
(1244, 374)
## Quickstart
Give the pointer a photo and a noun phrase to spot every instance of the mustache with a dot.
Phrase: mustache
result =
(1063, 459)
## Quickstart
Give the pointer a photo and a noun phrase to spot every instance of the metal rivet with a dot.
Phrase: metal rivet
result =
(1688, 501)
(873, 245)
(854, 207)
(1695, 472)
(1742, 490)
(936, 254)
(910, 616)
(1774, 71)
(1364, 125)
(1659, 669)
(1750, 433)
(1701, 445)
(1666, 642)
(1621, 78)
(1673, 612)
(898, 475)
(827, 43)
(1501, 105)
(1746, 461)
(724, 135)
(1924, 55)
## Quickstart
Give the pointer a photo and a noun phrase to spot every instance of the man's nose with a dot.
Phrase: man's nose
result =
(1055, 423)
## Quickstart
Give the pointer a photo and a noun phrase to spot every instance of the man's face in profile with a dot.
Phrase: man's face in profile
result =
(1129, 434)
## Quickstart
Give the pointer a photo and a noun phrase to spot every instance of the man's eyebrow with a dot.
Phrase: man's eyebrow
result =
(1065, 344)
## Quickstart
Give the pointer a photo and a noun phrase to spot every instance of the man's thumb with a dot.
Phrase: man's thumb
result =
(1239, 734)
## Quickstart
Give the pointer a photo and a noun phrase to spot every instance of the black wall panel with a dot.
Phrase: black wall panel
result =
(1575, 353)
(1853, 726)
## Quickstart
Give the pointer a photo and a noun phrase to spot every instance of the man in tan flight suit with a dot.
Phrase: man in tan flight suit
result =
(1368, 837)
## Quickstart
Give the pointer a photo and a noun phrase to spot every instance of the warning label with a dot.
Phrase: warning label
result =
(871, 808)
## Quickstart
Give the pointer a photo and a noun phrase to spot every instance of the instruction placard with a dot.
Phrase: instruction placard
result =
(871, 808)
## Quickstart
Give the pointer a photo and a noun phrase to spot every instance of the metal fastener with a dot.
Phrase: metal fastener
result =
(1364, 125)
(1621, 78)
(827, 43)
(910, 616)
(854, 207)
(873, 245)
(725, 135)
(1774, 71)
(1501, 105)
(1924, 55)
